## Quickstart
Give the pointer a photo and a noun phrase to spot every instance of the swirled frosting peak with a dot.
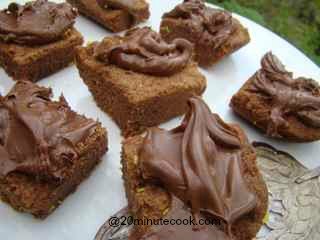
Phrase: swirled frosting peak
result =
(210, 24)
(299, 97)
(143, 50)
(36, 22)
(200, 163)
(38, 137)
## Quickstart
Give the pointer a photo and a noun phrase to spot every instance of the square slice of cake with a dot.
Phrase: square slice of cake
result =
(214, 32)
(278, 104)
(37, 39)
(145, 92)
(203, 168)
(33, 63)
(46, 149)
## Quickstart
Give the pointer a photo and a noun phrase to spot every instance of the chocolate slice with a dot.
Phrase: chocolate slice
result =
(279, 104)
(38, 137)
(211, 25)
(289, 96)
(200, 164)
(36, 22)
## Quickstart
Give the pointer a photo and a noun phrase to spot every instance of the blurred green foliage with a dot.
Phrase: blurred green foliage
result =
(298, 21)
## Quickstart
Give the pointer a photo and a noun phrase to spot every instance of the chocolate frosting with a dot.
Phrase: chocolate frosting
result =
(37, 22)
(143, 50)
(210, 25)
(38, 137)
(200, 163)
(138, 9)
(298, 97)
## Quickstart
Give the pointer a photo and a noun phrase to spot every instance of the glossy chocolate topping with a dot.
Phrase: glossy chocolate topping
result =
(200, 163)
(138, 9)
(38, 137)
(210, 25)
(143, 50)
(299, 97)
(37, 22)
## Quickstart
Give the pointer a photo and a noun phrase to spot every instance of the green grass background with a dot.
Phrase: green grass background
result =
(298, 21)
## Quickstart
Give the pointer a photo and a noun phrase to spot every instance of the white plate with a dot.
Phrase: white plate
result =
(82, 213)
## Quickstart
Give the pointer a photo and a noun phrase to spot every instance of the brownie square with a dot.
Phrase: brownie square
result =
(148, 199)
(115, 20)
(206, 51)
(135, 100)
(72, 143)
(35, 62)
(279, 105)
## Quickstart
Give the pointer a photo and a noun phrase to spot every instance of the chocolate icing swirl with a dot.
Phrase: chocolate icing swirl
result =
(138, 9)
(298, 97)
(143, 50)
(36, 22)
(38, 137)
(211, 25)
(200, 163)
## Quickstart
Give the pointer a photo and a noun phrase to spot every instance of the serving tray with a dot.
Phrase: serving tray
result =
(102, 195)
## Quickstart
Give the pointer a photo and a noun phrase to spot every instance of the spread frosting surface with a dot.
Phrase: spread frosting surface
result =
(138, 9)
(200, 163)
(210, 25)
(38, 137)
(143, 50)
(36, 22)
(299, 97)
